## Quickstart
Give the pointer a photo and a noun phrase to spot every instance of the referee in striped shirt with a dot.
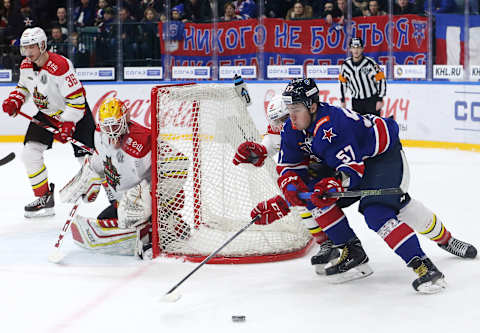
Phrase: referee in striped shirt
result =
(364, 78)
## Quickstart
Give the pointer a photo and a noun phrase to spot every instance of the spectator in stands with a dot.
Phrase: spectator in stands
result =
(129, 36)
(150, 41)
(245, 8)
(84, 15)
(81, 57)
(340, 13)
(299, 11)
(62, 20)
(360, 6)
(404, 7)
(57, 43)
(197, 11)
(373, 9)
(277, 9)
(230, 13)
(101, 6)
(106, 41)
(441, 6)
(178, 12)
(158, 6)
(3, 17)
(19, 23)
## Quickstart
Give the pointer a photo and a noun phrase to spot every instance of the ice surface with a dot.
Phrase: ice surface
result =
(99, 293)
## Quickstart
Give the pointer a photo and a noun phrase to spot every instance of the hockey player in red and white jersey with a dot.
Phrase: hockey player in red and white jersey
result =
(124, 162)
(256, 153)
(50, 81)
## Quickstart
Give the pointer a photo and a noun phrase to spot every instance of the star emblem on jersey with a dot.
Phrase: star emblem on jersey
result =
(111, 174)
(328, 134)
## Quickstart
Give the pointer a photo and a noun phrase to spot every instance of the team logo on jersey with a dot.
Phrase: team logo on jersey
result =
(306, 145)
(40, 100)
(366, 70)
(328, 134)
(111, 173)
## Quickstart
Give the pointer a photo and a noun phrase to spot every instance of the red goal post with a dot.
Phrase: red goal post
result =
(199, 198)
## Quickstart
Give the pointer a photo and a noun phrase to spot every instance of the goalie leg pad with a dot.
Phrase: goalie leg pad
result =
(89, 234)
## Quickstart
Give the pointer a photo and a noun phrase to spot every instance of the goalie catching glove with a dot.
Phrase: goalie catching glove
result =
(271, 210)
(86, 184)
(250, 152)
(135, 206)
(321, 188)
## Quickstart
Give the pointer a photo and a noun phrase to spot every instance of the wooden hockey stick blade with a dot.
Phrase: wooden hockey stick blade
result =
(356, 193)
(7, 158)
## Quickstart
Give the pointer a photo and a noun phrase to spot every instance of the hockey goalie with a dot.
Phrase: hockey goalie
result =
(123, 167)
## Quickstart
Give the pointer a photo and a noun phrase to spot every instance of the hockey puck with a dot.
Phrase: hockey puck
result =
(238, 319)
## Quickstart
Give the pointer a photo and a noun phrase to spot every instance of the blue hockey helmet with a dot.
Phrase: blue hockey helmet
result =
(301, 91)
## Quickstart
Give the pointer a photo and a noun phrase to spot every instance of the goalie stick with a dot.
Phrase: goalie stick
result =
(57, 255)
(171, 296)
(7, 158)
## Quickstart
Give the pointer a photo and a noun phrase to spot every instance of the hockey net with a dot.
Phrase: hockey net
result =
(199, 198)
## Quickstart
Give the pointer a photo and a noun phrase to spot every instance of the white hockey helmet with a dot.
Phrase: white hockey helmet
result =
(277, 112)
(113, 118)
(33, 36)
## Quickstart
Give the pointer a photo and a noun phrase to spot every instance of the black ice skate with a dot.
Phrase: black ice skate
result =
(459, 248)
(430, 279)
(351, 265)
(43, 206)
(326, 253)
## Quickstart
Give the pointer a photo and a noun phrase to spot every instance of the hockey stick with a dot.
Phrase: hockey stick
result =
(7, 158)
(57, 255)
(356, 193)
(171, 296)
(55, 131)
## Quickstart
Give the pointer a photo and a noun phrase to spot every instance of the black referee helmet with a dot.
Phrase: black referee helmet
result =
(356, 42)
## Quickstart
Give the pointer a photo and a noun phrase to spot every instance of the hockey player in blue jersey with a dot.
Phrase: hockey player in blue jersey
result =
(367, 151)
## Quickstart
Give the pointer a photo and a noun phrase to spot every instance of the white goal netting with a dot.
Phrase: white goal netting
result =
(200, 198)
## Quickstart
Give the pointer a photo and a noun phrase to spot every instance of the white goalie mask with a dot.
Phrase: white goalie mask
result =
(32, 36)
(277, 112)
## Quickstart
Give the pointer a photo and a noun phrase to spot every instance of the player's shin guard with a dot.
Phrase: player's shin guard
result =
(398, 235)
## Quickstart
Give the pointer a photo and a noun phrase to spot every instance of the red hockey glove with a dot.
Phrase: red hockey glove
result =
(291, 184)
(271, 210)
(325, 185)
(12, 105)
(250, 152)
(65, 131)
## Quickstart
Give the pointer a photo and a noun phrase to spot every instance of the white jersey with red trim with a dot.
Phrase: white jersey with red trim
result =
(124, 165)
(271, 141)
(54, 88)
